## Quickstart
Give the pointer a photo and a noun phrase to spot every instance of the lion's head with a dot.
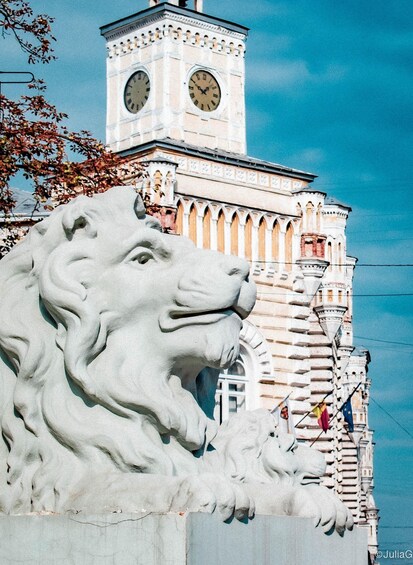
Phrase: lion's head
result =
(251, 449)
(105, 325)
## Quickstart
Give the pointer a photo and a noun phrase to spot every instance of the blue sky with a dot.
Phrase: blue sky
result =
(329, 90)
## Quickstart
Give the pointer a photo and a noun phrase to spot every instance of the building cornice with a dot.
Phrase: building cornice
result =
(219, 156)
(170, 11)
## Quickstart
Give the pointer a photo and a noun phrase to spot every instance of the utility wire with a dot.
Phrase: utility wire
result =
(390, 294)
(384, 341)
(390, 416)
(334, 264)
(397, 528)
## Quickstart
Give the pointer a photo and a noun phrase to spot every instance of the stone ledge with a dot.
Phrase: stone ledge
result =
(174, 539)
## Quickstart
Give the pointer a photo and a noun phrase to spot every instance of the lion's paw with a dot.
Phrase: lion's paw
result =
(211, 492)
(324, 507)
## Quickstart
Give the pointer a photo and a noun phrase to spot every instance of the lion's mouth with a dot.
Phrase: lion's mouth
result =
(201, 317)
(175, 319)
(310, 480)
(223, 312)
(182, 316)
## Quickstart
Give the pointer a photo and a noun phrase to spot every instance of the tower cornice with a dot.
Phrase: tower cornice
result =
(175, 13)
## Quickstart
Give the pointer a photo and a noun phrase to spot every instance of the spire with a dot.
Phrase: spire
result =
(197, 5)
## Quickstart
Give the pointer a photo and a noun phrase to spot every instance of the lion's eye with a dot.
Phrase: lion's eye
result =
(143, 258)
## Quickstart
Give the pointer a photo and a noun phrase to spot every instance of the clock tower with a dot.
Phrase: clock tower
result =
(175, 73)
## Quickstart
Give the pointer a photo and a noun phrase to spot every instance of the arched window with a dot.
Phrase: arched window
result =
(340, 256)
(276, 241)
(248, 238)
(318, 218)
(168, 181)
(234, 234)
(207, 229)
(238, 386)
(192, 223)
(221, 232)
(157, 186)
(179, 218)
(309, 211)
(261, 242)
(289, 247)
(330, 255)
(299, 213)
(233, 392)
(349, 304)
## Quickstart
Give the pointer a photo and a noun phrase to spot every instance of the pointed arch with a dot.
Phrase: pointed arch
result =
(318, 218)
(221, 231)
(179, 224)
(169, 179)
(329, 252)
(289, 246)
(340, 256)
(192, 223)
(248, 238)
(261, 241)
(349, 304)
(276, 241)
(157, 186)
(299, 213)
(234, 234)
(309, 215)
(206, 226)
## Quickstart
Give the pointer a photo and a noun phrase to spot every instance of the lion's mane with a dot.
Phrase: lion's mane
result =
(56, 419)
(250, 449)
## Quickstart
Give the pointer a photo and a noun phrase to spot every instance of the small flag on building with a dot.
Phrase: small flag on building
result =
(283, 414)
(322, 416)
(347, 411)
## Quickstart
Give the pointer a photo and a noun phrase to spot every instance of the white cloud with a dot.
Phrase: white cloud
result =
(289, 74)
(278, 75)
(309, 156)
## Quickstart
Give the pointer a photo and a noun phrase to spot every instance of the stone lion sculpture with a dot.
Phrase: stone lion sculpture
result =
(111, 339)
(281, 475)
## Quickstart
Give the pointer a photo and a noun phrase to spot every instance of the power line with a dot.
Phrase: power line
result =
(352, 241)
(397, 527)
(379, 295)
(383, 231)
(384, 341)
(262, 261)
(390, 416)
(381, 347)
(381, 215)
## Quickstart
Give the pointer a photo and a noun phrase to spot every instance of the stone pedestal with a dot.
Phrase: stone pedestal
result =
(174, 539)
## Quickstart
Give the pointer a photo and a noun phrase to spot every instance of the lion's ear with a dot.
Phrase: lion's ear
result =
(139, 207)
(77, 219)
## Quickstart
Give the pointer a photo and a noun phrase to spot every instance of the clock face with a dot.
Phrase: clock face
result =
(204, 91)
(137, 92)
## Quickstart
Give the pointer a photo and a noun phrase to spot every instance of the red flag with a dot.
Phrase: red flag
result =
(321, 413)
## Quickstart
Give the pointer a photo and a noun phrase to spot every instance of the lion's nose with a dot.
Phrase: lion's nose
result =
(235, 266)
